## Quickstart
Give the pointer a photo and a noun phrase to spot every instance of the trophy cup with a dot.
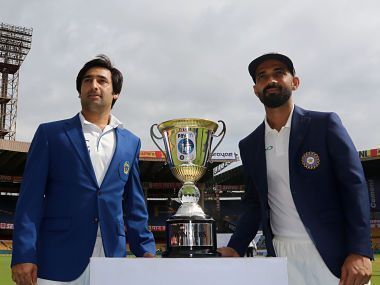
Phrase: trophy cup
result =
(189, 232)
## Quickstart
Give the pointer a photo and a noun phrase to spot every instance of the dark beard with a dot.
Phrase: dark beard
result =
(277, 99)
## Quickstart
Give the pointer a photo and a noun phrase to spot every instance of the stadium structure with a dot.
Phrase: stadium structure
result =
(221, 191)
(15, 43)
(221, 187)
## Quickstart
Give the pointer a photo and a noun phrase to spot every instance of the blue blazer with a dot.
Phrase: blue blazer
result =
(61, 204)
(332, 199)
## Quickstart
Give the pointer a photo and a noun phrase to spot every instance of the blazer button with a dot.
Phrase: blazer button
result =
(95, 220)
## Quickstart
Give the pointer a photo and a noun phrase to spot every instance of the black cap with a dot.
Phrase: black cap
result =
(280, 57)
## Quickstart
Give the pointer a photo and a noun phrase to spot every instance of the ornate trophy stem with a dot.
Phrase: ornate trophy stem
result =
(189, 193)
(189, 232)
(189, 196)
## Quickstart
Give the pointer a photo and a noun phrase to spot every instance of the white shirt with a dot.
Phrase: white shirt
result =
(101, 144)
(285, 221)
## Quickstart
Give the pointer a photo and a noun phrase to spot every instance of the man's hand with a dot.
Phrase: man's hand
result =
(356, 270)
(24, 274)
(228, 252)
(148, 254)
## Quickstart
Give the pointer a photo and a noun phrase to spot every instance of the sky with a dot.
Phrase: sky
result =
(189, 59)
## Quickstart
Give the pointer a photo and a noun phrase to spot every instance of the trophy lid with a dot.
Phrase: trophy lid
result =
(188, 123)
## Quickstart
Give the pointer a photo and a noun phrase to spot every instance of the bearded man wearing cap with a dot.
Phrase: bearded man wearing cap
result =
(304, 184)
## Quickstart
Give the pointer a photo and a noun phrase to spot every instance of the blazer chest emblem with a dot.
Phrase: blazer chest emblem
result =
(310, 160)
(126, 167)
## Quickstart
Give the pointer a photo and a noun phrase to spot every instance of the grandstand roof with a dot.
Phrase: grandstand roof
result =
(153, 168)
(12, 157)
(371, 161)
(152, 163)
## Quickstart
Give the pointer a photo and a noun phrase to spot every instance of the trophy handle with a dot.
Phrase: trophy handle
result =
(154, 137)
(222, 133)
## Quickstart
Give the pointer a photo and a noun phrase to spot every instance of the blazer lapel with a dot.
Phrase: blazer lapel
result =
(300, 126)
(259, 164)
(114, 164)
(74, 131)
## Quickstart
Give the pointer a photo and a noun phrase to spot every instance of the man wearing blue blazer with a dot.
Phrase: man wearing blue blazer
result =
(304, 184)
(81, 194)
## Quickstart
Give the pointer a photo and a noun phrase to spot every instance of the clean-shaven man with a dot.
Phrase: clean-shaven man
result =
(81, 194)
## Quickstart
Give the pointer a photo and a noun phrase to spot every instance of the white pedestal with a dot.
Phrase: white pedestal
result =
(188, 271)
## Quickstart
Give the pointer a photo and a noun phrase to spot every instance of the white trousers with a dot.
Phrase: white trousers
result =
(305, 265)
(84, 278)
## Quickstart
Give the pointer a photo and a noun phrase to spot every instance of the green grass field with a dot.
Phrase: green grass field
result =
(376, 270)
(5, 274)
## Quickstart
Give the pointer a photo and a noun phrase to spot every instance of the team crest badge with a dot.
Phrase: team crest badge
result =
(310, 160)
(126, 167)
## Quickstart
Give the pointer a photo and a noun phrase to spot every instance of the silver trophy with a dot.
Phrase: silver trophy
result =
(189, 232)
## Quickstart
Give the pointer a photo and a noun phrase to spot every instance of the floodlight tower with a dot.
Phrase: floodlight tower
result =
(15, 43)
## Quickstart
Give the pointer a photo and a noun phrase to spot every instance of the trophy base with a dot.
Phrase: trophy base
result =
(190, 237)
(189, 253)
